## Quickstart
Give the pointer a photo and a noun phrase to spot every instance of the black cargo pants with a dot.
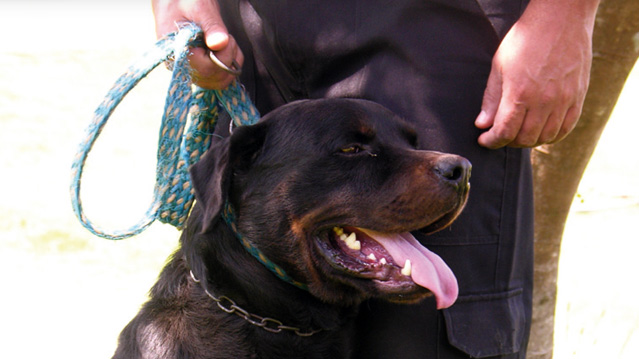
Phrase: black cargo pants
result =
(428, 61)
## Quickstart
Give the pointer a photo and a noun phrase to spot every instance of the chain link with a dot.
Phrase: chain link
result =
(269, 324)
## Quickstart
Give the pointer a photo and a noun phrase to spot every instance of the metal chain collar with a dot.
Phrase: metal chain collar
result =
(269, 324)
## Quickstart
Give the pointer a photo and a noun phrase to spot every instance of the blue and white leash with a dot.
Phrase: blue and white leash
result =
(177, 150)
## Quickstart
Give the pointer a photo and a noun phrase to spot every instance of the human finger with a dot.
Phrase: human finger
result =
(552, 127)
(568, 124)
(507, 123)
(215, 75)
(537, 118)
(491, 100)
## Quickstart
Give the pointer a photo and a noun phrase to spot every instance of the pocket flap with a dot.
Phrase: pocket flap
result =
(487, 325)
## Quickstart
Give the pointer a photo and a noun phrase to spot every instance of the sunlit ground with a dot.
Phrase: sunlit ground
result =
(67, 294)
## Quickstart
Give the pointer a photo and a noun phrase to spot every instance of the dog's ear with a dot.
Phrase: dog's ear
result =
(209, 178)
(211, 175)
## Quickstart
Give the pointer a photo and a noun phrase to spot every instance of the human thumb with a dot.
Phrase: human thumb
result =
(490, 102)
(215, 35)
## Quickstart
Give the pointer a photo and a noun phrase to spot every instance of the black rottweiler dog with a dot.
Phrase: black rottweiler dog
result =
(325, 192)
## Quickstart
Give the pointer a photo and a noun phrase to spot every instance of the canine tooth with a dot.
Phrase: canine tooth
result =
(372, 257)
(407, 268)
(383, 261)
(352, 242)
(355, 245)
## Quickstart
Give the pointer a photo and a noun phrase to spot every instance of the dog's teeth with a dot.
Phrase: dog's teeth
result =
(352, 242)
(372, 257)
(351, 238)
(383, 261)
(338, 230)
(407, 268)
(355, 245)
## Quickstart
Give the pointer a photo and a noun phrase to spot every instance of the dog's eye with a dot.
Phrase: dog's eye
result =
(357, 150)
(352, 149)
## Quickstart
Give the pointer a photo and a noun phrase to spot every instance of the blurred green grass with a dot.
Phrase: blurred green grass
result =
(71, 293)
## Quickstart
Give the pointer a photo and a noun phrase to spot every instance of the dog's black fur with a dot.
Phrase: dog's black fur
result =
(305, 168)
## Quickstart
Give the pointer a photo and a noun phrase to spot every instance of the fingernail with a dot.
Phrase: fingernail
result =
(216, 39)
(481, 119)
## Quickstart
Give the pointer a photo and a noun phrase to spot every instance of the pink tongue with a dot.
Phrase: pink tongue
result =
(428, 269)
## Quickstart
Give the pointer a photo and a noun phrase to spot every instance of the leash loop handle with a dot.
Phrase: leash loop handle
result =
(187, 107)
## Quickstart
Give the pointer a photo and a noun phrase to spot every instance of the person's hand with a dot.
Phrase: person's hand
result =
(206, 14)
(539, 76)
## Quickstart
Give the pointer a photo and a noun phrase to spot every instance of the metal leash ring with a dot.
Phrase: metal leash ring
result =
(234, 70)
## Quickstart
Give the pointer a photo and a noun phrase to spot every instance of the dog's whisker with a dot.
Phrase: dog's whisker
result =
(193, 277)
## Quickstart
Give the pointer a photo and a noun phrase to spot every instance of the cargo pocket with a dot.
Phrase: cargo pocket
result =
(487, 325)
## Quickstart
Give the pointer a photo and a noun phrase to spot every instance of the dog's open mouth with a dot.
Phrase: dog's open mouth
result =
(393, 259)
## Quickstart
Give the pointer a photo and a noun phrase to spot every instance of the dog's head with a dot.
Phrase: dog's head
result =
(329, 190)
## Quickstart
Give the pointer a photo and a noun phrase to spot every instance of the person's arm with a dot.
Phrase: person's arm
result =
(539, 76)
(206, 14)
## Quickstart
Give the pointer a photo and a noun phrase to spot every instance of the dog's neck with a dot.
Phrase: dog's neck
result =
(268, 324)
(231, 272)
(228, 214)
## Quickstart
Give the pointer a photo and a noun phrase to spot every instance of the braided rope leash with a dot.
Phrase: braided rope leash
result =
(186, 105)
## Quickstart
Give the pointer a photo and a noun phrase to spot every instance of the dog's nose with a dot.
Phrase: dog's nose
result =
(454, 170)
